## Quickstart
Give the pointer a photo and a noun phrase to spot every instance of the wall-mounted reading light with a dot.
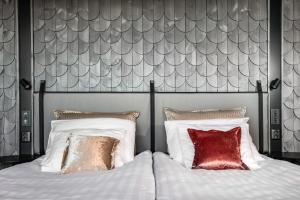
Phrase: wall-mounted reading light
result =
(274, 84)
(25, 83)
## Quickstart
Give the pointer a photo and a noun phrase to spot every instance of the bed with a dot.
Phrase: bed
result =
(274, 180)
(134, 180)
(154, 176)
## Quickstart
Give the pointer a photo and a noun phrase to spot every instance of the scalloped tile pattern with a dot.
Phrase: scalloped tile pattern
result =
(291, 76)
(8, 76)
(120, 45)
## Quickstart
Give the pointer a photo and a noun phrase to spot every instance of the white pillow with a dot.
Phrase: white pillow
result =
(58, 143)
(52, 161)
(125, 152)
(187, 147)
(256, 155)
(172, 132)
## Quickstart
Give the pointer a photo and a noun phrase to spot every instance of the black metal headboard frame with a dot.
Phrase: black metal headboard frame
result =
(258, 91)
(43, 91)
(41, 116)
(260, 116)
(152, 92)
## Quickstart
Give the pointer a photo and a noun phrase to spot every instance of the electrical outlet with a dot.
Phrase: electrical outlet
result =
(26, 118)
(275, 134)
(25, 136)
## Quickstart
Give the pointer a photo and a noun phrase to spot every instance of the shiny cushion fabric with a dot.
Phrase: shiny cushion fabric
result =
(172, 114)
(217, 150)
(90, 153)
(69, 114)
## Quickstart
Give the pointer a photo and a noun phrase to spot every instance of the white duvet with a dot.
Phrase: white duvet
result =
(133, 181)
(274, 180)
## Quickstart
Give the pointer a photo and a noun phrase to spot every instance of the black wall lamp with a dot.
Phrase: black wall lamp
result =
(275, 84)
(25, 84)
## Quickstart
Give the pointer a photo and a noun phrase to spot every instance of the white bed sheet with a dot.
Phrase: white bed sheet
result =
(274, 180)
(133, 181)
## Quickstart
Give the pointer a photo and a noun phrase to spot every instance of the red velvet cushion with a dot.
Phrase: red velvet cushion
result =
(215, 149)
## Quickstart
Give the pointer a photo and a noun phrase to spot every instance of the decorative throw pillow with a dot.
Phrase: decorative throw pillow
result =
(172, 114)
(217, 150)
(125, 150)
(69, 114)
(90, 153)
(59, 141)
(173, 126)
(188, 151)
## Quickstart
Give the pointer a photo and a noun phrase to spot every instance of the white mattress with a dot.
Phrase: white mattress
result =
(275, 180)
(132, 181)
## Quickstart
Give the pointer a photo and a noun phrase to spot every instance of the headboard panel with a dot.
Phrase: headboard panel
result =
(150, 126)
(192, 101)
(108, 102)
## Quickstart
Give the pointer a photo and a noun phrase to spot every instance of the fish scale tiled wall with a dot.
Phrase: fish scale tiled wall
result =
(119, 45)
(291, 75)
(8, 79)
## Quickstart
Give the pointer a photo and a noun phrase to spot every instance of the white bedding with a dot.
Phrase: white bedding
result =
(133, 181)
(274, 180)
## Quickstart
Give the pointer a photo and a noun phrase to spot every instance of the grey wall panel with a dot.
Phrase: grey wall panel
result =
(275, 72)
(119, 45)
(25, 72)
(97, 102)
(291, 76)
(140, 102)
(205, 101)
(9, 86)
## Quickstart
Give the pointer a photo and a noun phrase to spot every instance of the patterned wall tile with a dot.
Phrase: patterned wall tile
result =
(8, 79)
(291, 75)
(120, 45)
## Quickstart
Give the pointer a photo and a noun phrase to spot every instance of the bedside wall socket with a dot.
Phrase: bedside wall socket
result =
(26, 136)
(275, 134)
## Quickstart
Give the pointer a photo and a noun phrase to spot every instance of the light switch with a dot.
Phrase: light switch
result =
(275, 116)
(26, 118)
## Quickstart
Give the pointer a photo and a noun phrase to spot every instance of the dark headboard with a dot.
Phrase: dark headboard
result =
(256, 103)
(48, 101)
(150, 128)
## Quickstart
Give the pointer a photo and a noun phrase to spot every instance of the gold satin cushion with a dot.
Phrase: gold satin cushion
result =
(90, 153)
(172, 114)
(70, 114)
